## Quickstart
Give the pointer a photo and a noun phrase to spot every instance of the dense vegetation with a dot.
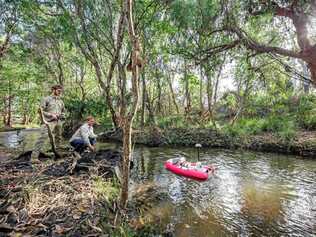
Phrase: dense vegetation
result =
(198, 70)
(240, 68)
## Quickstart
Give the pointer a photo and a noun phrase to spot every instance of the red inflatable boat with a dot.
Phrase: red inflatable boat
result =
(187, 169)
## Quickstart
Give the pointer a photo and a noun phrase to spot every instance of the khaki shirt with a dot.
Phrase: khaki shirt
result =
(53, 104)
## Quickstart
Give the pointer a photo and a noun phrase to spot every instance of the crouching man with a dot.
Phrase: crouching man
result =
(84, 137)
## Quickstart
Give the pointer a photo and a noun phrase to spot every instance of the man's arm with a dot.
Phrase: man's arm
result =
(62, 115)
(85, 135)
(92, 134)
(44, 105)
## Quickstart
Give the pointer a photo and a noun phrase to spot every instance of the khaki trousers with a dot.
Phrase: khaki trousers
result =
(43, 140)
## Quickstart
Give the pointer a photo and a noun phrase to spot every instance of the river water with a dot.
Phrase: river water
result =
(250, 194)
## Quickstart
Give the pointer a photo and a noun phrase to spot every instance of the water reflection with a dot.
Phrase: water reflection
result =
(20, 139)
(251, 194)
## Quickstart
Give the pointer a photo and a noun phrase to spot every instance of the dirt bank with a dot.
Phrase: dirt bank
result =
(303, 144)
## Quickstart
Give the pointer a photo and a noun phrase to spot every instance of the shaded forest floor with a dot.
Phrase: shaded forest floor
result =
(303, 143)
(44, 199)
(67, 197)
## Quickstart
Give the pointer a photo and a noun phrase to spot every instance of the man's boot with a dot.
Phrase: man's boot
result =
(34, 157)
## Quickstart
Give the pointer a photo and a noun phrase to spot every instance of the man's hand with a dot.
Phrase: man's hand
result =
(54, 116)
(92, 148)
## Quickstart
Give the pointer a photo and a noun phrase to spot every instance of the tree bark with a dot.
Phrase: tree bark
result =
(159, 106)
(122, 94)
(149, 106)
(6, 43)
(9, 113)
(128, 119)
(209, 90)
(142, 117)
(4, 118)
(300, 21)
(8, 122)
(187, 90)
(201, 90)
(127, 149)
(172, 94)
(215, 89)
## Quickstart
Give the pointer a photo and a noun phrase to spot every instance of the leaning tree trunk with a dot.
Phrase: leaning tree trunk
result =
(8, 123)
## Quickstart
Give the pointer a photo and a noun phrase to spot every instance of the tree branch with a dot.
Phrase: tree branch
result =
(251, 44)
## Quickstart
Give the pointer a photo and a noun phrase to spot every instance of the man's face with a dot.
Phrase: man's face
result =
(57, 92)
(91, 122)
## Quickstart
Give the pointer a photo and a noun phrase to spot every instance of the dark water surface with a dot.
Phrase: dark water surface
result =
(251, 194)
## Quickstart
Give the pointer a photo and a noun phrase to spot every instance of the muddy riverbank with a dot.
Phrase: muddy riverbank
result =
(303, 144)
(68, 196)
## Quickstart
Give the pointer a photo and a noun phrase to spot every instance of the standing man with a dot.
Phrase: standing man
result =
(54, 113)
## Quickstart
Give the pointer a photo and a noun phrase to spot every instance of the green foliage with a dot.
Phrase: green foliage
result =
(20, 79)
(306, 111)
(245, 127)
(282, 126)
(79, 109)
(171, 122)
(105, 189)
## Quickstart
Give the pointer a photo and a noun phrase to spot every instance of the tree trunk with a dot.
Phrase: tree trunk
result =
(6, 43)
(216, 87)
(4, 118)
(8, 123)
(9, 113)
(187, 90)
(127, 141)
(172, 94)
(242, 100)
(58, 58)
(128, 120)
(169, 104)
(142, 117)
(159, 107)
(151, 115)
(217, 80)
(201, 90)
(25, 120)
(209, 92)
(305, 84)
(123, 103)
